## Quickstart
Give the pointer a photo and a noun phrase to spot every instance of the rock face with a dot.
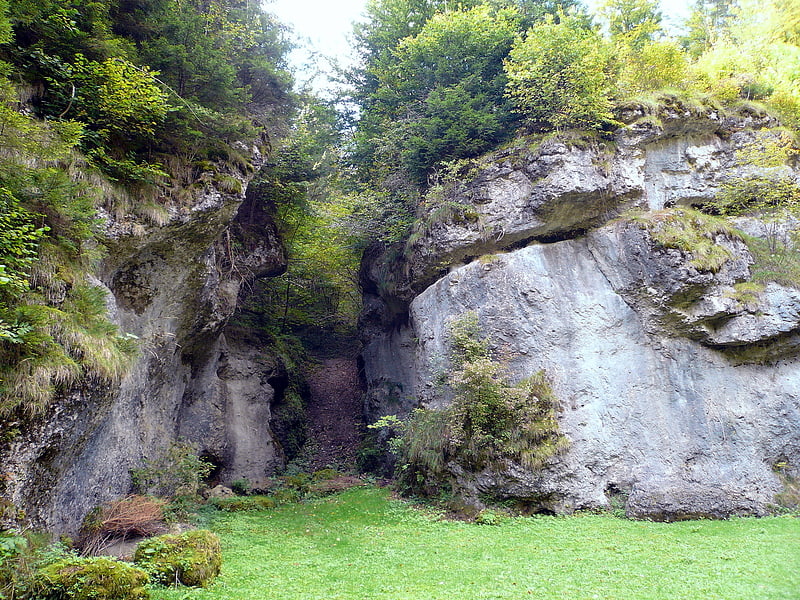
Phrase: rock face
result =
(677, 395)
(559, 187)
(173, 286)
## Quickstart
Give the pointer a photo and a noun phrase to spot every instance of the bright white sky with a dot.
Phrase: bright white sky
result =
(323, 27)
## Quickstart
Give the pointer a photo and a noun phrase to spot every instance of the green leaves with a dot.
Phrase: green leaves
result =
(114, 66)
(487, 421)
(123, 103)
(177, 472)
(559, 75)
(632, 22)
(6, 35)
(441, 96)
(453, 47)
(19, 240)
(654, 66)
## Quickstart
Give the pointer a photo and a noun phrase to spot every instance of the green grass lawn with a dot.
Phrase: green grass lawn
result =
(361, 544)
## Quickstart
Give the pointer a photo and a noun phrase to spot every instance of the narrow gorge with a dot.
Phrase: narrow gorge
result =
(599, 218)
(677, 391)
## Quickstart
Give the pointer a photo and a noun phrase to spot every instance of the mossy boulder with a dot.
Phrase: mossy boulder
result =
(192, 558)
(240, 504)
(94, 579)
(334, 484)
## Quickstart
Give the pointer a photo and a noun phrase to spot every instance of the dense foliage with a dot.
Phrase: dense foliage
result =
(317, 213)
(152, 78)
(434, 89)
(124, 105)
(488, 421)
(559, 75)
(438, 83)
(443, 94)
(53, 325)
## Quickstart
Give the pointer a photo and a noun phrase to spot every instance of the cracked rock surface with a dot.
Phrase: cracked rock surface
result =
(677, 393)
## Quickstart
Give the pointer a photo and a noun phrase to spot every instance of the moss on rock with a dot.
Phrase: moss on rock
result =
(94, 579)
(239, 504)
(192, 558)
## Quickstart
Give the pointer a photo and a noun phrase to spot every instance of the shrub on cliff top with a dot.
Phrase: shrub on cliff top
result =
(559, 75)
(193, 558)
(94, 579)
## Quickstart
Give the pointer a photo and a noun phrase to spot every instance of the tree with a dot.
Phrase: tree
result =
(450, 81)
(643, 62)
(654, 66)
(559, 75)
(707, 24)
(754, 57)
(118, 98)
(789, 11)
(6, 34)
(632, 22)
(113, 65)
(430, 87)
(317, 297)
(19, 240)
(388, 21)
(535, 11)
(442, 96)
(47, 29)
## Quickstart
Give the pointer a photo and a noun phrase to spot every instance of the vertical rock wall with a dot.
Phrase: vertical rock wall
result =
(174, 287)
(677, 397)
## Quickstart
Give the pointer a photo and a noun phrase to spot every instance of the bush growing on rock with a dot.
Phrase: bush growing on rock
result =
(692, 232)
(488, 421)
(93, 579)
(559, 76)
(178, 472)
(192, 558)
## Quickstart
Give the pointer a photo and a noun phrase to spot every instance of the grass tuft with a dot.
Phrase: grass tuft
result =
(64, 344)
(692, 232)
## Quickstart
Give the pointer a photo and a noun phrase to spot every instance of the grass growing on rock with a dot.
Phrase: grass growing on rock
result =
(362, 545)
(690, 231)
(780, 264)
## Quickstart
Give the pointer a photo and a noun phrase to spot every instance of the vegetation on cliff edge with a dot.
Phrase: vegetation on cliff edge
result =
(125, 108)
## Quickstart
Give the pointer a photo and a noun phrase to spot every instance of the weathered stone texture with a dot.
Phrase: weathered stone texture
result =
(677, 397)
(174, 287)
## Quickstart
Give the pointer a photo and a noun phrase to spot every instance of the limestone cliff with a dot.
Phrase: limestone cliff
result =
(174, 286)
(678, 396)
